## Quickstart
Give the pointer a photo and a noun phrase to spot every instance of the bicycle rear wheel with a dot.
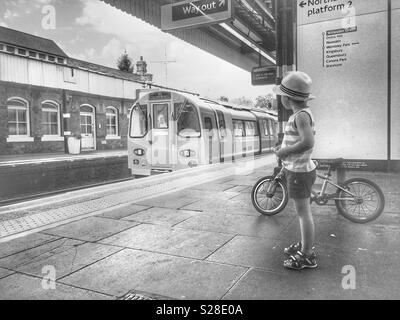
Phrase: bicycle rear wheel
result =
(269, 205)
(368, 203)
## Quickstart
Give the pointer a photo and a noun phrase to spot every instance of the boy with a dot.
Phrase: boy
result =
(300, 170)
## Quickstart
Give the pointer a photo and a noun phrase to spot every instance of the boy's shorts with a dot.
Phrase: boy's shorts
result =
(300, 183)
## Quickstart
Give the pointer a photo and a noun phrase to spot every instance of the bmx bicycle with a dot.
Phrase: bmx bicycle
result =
(359, 200)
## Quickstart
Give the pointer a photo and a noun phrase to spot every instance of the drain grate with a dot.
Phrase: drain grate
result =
(138, 295)
(135, 296)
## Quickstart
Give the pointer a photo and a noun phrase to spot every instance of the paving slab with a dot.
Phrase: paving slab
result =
(23, 287)
(5, 273)
(260, 226)
(91, 229)
(240, 189)
(168, 201)
(24, 243)
(161, 216)
(169, 276)
(264, 285)
(251, 252)
(226, 207)
(349, 236)
(123, 212)
(207, 195)
(212, 187)
(176, 241)
(23, 258)
(68, 261)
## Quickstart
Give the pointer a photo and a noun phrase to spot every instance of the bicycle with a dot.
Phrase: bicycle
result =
(358, 199)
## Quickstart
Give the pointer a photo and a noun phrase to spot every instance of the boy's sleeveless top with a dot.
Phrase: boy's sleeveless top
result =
(297, 162)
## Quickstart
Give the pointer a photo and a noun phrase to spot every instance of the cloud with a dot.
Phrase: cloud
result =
(194, 69)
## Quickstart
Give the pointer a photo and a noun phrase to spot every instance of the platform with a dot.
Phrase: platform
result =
(31, 174)
(192, 235)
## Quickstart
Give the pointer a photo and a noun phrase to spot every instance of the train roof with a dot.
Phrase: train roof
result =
(244, 111)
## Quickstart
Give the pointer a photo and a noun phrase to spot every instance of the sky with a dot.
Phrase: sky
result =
(94, 31)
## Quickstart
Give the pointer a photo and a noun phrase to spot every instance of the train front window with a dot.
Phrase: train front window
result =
(188, 122)
(138, 121)
(160, 112)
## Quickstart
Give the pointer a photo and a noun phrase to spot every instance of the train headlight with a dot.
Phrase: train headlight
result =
(192, 164)
(187, 153)
(136, 162)
(139, 152)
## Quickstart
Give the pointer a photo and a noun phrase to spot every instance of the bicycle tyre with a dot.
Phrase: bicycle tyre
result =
(341, 204)
(281, 205)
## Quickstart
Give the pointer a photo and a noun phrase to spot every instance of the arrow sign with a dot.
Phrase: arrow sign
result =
(303, 4)
(198, 8)
(194, 13)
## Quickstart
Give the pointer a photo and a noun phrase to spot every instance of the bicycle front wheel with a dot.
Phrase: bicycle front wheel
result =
(366, 205)
(272, 204)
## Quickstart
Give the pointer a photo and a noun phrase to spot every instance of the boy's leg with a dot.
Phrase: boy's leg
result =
(303, 210)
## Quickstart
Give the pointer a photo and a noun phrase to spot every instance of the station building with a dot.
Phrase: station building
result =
(46, 97)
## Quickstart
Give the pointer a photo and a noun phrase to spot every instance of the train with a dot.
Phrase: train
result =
(171, 130)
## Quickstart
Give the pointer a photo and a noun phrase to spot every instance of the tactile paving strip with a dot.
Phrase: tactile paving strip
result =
(42, 219)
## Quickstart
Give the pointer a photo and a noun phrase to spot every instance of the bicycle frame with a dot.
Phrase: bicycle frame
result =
(325, 184)
(322, 194)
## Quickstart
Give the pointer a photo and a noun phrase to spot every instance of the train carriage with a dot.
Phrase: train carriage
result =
(171, 131)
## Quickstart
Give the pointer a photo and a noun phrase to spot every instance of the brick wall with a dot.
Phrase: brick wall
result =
(69, 102)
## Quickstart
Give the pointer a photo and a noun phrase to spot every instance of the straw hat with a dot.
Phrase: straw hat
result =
(296, 85)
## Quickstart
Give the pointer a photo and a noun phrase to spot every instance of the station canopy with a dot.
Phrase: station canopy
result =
(246, 38)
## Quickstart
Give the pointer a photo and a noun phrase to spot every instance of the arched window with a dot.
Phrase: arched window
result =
(18, 118)
(112, 121)
(50, 119)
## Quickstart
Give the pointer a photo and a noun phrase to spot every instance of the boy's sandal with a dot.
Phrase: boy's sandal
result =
(300, 261)
(294, 248)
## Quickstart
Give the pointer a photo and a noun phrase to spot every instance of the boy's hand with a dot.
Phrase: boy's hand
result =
(281, 153)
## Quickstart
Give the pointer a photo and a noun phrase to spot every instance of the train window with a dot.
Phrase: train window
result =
(138, 121)
(251, 129)
(188, 122)
(238, 128)
(267, 127)
(222, 124)
(208, 125)
(160, 112)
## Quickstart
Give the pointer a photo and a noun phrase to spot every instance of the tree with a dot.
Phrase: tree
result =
(224, 99)
(264, 102)
(243, 101)
(125, 63)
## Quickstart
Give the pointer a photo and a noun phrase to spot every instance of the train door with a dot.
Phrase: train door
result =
(224, 141)
(238, 138)
(160, 135)
(139, 141)
(211, 138)
(268, 132)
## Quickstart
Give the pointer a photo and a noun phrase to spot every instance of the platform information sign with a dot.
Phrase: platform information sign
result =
(343, 46)
(186, 14)
(263, 76)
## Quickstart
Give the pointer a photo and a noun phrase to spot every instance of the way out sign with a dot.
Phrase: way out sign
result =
(261, 76)
(188, 14)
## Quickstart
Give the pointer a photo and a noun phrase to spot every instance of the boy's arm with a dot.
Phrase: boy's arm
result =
(306, 137)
